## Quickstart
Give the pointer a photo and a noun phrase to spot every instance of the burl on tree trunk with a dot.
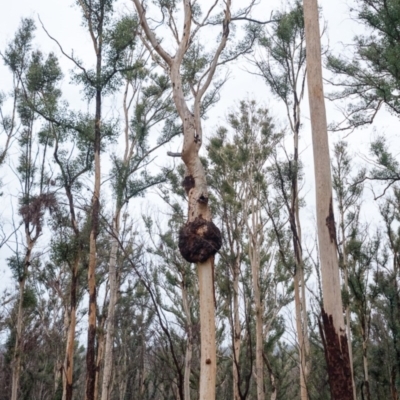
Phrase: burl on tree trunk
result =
(198, 239)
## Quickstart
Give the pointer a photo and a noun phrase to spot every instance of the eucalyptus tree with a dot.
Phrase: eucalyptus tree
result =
(36, 195)
(60, 128)
(16, 57)
(43, 329)
(39, 97)
(362, 255)
(256, 131)
(70, 243)
(386, 280)
(335, 338)
(63, 128)
(370, 76)
(110, 40)
(191, 71)
(348, 191)
(228, 188)
(282, 64)
(146, 103)
(135, 374)
(249, 276)
(180, 288)
(107, 48)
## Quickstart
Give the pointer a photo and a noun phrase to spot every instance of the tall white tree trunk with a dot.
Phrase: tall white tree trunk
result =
(255, 227)
(300, 334)
(299, 279)
(16, 363)
(199, 238)
(346, 288)
(198, 226)
(110, 324)
(236, 329)
(333, 322)
(259, 370)
(207, 331)
(18, 348)
(189, 344)
(365, 363)
(71, 328)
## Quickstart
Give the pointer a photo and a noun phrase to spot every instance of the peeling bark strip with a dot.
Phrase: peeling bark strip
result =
(199, 240)
(337, 359)
(330, 223)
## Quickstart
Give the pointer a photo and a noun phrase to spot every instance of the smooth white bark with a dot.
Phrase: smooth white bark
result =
(192, 132)
(110, 324)
(322, 169)
(334, 328)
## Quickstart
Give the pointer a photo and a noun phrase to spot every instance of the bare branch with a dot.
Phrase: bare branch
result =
(203, 23)
(172, 25)
(214, 63)
(172, 154)
(150, 34)
(185, 39)
(90, 25)
(71, 58)
(255, 21)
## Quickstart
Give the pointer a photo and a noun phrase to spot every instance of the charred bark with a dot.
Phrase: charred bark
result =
(338, 360)
(336, 351)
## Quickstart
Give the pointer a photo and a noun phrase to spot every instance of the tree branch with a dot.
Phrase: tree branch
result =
(150, 34)
(66, 55)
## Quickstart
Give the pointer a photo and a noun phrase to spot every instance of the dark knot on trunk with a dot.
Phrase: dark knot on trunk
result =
(188, 183)
(199, 240)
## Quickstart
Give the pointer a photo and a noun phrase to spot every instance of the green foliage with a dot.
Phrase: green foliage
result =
(239, 162)
(348, 188)
(17, 266)
(130, 177)
(115, 39)
(29, 299)
(42, 76)
(121, 38)
(372, 74)
(16, 55)
(388, 168)
(283, 68)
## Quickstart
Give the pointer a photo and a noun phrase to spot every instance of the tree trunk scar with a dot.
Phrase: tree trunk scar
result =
(337, 359)
(188, 183)
(330, 223)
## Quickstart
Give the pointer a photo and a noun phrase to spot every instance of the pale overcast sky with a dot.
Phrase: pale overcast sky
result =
(62, 20)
